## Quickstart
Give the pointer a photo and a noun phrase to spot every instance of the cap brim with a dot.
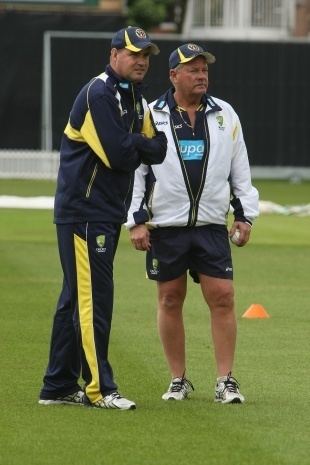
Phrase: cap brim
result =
(152, 47)
(208, 56)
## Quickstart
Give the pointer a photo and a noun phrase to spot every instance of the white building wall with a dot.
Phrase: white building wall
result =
(239, 19)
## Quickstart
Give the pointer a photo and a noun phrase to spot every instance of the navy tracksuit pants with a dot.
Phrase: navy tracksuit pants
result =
(82, 322)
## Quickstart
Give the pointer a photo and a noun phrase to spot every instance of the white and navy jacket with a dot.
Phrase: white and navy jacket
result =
(162, 196)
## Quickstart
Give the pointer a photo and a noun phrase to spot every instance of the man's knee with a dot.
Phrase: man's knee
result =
(221, 297)
(171, 301)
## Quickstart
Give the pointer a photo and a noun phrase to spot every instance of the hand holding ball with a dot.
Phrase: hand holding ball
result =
(235, 237)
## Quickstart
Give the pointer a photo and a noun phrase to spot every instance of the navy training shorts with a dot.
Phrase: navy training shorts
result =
(200, 249)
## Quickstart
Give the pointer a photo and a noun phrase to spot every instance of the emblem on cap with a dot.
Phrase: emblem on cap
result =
(140, 33)
(193, 47)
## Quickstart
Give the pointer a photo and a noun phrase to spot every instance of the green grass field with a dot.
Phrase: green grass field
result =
(272, 359)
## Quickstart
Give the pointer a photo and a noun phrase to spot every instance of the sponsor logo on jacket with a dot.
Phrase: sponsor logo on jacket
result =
(191, 149)
(220, 122)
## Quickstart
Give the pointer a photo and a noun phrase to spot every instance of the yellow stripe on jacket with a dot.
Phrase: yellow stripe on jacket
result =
(88, 135)
(148, 126)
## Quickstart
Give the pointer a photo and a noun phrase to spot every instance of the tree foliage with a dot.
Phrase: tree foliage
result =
(147, 13)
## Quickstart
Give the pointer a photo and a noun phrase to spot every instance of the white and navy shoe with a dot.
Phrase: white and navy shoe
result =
(227, 391)
(113, 400)
(179, 389)
(71, 399)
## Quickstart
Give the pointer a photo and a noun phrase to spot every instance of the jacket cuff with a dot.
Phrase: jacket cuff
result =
(243, 219)
(141, 216)
(138, 140)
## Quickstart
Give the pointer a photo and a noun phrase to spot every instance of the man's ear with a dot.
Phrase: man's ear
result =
(172, 75)
(113, 56)
(113, 52)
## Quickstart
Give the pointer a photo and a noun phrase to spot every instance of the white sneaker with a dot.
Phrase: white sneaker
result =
(227, 391)
(72, 399)
(113, 400)
(179, 389)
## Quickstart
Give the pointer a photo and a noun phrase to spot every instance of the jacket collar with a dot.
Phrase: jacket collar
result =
(166, 102)
(122, 84)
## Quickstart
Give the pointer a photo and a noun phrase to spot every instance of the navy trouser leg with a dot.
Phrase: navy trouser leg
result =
(82, 322)
(95, 254)
(63, 369)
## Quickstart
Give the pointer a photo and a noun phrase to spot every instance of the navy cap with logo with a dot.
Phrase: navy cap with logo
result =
(188, 52)
(134, 39)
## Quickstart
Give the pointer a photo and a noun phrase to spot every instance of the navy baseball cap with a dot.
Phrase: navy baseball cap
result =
(188, 52)
(134, 39)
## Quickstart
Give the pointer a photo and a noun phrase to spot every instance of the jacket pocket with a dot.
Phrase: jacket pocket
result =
(92, 179)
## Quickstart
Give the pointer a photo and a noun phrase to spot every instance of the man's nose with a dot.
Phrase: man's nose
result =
(202, 75)
(142, 60)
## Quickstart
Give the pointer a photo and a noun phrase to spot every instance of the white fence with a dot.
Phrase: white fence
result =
(28, 164)
(32, 164)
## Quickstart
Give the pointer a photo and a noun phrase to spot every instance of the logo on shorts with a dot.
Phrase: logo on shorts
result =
(100, 242)
(154, 270)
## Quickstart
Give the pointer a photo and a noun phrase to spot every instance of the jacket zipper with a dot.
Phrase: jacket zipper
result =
(130, 130)
(134, 108)
(203, 175)
(150, 199)
(193, 200)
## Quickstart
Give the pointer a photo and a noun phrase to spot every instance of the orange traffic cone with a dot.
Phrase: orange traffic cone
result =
(255, 311)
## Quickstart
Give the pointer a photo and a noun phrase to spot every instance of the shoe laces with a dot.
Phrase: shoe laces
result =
(75, 397)
(178, 384)
(231, 384)
(114, 395)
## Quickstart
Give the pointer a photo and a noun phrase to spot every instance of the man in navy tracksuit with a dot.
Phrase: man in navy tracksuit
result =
(108, 135)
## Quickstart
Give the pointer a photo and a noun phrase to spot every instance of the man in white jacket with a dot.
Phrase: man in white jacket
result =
(179, 211)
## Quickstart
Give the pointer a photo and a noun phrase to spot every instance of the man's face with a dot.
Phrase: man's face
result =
(191, 79)
(129, 65)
